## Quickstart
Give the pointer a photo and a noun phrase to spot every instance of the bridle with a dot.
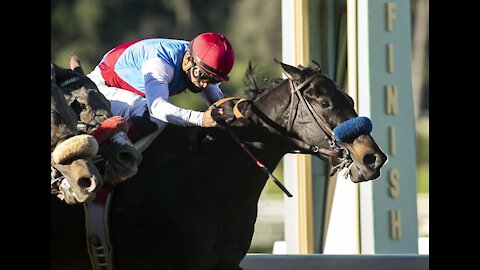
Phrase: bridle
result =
(336, 150)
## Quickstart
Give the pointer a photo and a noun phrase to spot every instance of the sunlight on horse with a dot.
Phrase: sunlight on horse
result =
(193, 202)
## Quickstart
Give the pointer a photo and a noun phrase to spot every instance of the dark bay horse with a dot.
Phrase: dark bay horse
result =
(75, 178)
(193, 203)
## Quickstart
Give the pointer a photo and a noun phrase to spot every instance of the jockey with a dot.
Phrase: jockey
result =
(139, 76)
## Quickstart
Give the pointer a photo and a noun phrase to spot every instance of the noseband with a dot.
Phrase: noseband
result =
(335, 150)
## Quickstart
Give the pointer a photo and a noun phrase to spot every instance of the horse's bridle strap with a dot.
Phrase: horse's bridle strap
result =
(236, 110)
(296, 90)
(315, 149)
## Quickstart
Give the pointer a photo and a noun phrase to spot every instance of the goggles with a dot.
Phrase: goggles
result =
(199, 74)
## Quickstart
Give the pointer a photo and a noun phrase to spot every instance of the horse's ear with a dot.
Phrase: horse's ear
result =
(291, 72)
(316, 66)
(75, 65)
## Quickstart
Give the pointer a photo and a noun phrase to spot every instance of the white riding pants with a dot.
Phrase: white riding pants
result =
(123, 102)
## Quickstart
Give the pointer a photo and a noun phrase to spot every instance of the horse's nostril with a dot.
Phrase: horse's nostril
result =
(369, 160)
(84, 182)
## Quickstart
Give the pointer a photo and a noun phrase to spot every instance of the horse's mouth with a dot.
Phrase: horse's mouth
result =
(348, 168)
(70, 196)
(357, 176)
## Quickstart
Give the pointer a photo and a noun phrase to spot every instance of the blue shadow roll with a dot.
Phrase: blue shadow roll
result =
(352, 128)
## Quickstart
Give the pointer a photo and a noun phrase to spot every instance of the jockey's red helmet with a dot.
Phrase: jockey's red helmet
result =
(213, 53)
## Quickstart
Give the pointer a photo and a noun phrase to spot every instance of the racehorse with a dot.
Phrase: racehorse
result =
(193, 203)
(88, 112)
(118, 159)
(71, 153)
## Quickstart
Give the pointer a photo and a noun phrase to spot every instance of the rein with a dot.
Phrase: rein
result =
(335, 151)
(245, 121)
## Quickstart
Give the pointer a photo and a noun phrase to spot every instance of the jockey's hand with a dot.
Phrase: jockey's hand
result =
(212, 116)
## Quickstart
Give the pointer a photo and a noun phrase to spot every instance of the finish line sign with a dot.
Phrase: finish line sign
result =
(388, 209)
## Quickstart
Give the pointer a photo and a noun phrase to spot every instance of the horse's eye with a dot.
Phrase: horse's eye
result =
(325, 103)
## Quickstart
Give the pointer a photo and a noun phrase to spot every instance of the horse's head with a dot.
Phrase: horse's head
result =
(74, 176)
(326, 118)
(117, 157)
(318, 117)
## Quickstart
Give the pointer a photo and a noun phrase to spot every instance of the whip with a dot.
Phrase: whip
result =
(259, 164)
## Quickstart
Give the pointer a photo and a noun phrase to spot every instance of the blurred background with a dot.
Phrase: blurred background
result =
(89, 28)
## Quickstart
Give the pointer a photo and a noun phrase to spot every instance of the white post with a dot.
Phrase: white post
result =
(297, 168)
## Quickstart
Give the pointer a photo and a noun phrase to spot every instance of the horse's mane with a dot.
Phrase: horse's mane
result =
(253, 89)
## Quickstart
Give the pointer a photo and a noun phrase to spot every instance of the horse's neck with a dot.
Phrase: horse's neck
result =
(268, 148)
(268, 126)
(265, 109)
